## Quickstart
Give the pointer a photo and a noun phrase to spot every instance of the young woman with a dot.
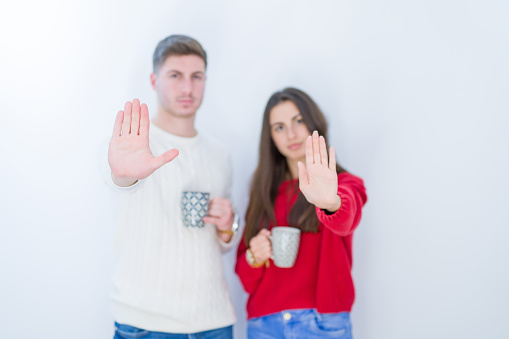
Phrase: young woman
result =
(298, 184)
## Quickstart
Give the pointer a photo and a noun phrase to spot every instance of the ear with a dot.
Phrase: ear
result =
(153, 80)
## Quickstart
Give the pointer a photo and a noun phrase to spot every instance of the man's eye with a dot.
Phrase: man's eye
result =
(174, 75)
(198, 77)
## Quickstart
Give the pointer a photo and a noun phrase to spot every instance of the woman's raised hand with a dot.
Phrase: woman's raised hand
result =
(129, 154)
(318, 179)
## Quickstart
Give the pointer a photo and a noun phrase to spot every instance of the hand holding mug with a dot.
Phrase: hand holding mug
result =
(260, 246)
(221, 214)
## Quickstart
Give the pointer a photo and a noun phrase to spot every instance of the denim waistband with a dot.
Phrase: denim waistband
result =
(302, 315)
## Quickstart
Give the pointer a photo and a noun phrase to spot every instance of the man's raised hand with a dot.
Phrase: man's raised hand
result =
(129, 154)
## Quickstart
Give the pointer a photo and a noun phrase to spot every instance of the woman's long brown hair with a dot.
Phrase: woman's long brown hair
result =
(273, 169)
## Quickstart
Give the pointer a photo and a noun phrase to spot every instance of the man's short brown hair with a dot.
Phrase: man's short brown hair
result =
(177, 45)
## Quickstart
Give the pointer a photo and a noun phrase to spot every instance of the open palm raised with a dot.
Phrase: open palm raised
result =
(318, 179)
(129, 154)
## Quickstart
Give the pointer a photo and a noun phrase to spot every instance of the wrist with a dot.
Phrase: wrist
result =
(334, 206)
(234, 228)
(251, 259)
(123, 182)
(225, 237)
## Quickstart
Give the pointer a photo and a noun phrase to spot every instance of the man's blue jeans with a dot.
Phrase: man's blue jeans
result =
(130, 332)
(300, 324)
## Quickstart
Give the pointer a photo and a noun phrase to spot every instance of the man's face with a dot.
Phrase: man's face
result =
(180, 84)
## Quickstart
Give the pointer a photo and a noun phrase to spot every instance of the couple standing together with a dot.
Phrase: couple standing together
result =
(169, 281)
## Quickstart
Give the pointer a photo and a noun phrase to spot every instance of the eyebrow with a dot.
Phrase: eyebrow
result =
(179, 72)
(294, 118)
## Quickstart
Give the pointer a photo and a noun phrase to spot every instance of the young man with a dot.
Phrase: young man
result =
(169, 277)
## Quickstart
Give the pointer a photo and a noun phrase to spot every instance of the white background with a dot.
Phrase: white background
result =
(416, 94)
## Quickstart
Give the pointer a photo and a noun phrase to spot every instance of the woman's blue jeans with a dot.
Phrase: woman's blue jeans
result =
(130, 332)
(300, 324)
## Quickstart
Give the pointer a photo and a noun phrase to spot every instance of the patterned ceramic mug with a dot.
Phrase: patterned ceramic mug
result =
(285, 245)
(194, 206)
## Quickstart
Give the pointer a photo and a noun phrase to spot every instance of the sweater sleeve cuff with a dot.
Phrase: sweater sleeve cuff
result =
(247, 271)
(131, 188)
(325, 216)
(226, 246)
(249, 276)
(339, 221)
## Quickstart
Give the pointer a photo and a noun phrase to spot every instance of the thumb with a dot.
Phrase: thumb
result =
(164, 158)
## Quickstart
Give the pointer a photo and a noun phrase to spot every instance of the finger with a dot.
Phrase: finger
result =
(165, 158)
(135, 121)
(212, 203)
(225, 209)
(216, 208)
(261, 245)
(265, 232)
(222, 208)
(332, 159)
(215, 211)
(262, 238)
(303, 175)
(260, 242)
(262, 248)
(211, 220)
(258, 256)
(126, 124)
(117, 127)
(323, 151)
(316, 148)
(309, 151)
(144, 120)
(224, 203)
(261, 256)
(268, 253)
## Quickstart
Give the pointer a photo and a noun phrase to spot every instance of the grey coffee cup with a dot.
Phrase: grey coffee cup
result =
(194, 206)
(285, 245)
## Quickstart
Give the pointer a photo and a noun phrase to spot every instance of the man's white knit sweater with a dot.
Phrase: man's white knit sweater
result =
(169, 277)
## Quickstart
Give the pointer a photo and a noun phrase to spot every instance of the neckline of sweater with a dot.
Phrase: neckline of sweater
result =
(175, 138)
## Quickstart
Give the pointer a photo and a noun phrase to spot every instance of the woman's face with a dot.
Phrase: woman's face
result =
(288, 131)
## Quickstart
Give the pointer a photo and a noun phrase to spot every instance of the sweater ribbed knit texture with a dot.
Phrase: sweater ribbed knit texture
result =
(169, 277)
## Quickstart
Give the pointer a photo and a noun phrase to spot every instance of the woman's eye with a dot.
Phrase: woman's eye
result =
(278, 128)
(300, 121)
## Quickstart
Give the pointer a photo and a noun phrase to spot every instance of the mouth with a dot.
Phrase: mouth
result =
(295, 146)
(185, 101)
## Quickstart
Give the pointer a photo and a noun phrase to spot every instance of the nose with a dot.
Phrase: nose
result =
(290, 133)
(186, 86)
